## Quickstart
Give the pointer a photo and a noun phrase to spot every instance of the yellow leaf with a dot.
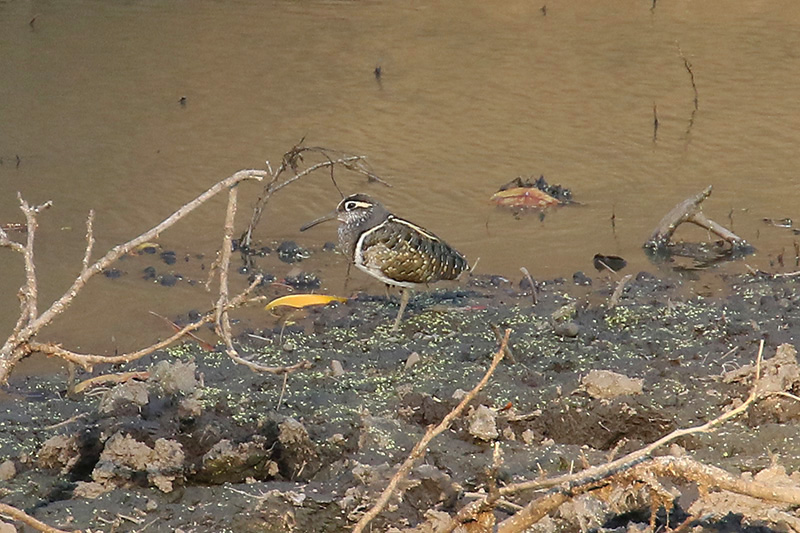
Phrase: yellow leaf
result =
(303, 300)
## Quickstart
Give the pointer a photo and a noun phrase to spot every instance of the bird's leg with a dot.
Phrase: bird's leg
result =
(347, 276)
(406, 293)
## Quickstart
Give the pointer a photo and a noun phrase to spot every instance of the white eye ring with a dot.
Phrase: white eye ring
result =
(351, 205)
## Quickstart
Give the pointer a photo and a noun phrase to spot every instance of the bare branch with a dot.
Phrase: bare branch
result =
(89, 239)
(617, 295)
(421, 446)
(569, 485)
(28, 520)
(14, 347)
(88, 360)
(689, 211)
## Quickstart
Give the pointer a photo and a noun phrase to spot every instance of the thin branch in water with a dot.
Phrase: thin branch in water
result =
(688, 67)
(89, 239)
(655, 123)
(531, 282)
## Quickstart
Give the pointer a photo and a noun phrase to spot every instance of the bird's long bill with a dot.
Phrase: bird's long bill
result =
(324, 218)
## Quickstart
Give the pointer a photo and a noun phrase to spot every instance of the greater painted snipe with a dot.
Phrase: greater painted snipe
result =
(392, 249)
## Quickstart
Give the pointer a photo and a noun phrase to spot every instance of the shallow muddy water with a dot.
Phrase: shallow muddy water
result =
(471, 95)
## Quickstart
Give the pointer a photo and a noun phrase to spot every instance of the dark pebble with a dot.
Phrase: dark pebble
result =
(567, 329)
(525, 284)
(303, 280)
(329, 247)
(194, 315)
(579, 278)
(169, 257)
(242, 270)
(645, 276)
(168, 280)
(148, 250)
(149, 273)
(290, 252)
(264, 251)
(112, 273)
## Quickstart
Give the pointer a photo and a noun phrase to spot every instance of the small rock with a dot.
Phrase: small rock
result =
(5, 527)
(299, 458)
(190, 408)
(483, 423)
(149, 273)
(459, 394)
(168, 280)
(169, 257)
(303, 281)
(7, 470)
(579, 278)
(59, 451)
(567, 329)
(337, 369)
(606, 384)
(288, 346)
(527, 436)
(412, 360)
(89, 490)
(290, 252)
(112, 273)
(226, 462)
(175, 378)
(125, 398)
(123, 458)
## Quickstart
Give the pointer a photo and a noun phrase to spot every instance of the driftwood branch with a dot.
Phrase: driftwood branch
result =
(421, 447)
(18, 343)
(689, 211)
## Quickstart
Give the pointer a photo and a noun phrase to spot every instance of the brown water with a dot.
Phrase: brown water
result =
(472, 94)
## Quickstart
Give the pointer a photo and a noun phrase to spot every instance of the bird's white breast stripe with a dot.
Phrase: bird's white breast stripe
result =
(358, 260)
(414, 227)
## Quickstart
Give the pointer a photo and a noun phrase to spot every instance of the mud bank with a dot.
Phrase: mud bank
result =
(205, 445)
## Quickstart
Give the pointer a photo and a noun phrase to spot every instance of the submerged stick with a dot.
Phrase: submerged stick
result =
(689, 211)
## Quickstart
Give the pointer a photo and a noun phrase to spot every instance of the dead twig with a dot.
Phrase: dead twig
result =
(689, 211)
(617, 295)
(530, 281)
(18, 343)
(28, 520)
(122, 377)
(421, 446)
(570, 485)
(87, 361)
(291, 161)
(89, 239)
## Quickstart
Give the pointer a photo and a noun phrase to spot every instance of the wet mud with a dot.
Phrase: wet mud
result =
(205, 445)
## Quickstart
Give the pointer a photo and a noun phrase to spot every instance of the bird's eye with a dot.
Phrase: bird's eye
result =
(351, 205)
